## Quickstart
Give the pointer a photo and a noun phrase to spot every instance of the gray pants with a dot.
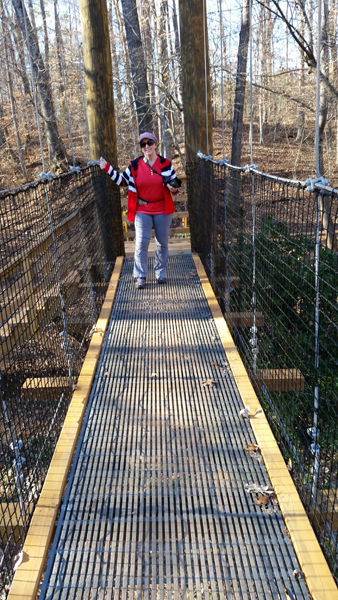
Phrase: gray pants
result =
(143, 226)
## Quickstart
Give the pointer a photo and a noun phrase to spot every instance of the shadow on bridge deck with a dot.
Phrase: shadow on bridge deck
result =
(158, 501)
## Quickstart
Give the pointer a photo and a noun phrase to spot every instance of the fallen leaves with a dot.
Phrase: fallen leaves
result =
(209, 382)
(264, 500)
(192, 274)
(266, 495)
(96, 330)
(254, 451)
(297, 574)
(251, 448)
(17, 560)
(245, 412)
(253, 488)
(289, 595)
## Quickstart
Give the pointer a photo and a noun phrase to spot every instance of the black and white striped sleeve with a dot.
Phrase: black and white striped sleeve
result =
(124, 179)
(169, 171)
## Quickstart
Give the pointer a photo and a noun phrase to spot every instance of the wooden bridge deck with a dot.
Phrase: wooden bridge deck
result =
(168, 496)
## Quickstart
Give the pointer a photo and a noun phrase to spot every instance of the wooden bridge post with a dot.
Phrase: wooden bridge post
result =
(196, 102)
(100, 101)
(195, 74)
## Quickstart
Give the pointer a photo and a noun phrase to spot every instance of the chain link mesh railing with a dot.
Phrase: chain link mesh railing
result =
(56, 257)
(269, 247)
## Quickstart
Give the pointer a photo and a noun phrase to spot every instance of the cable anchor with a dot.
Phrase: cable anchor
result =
(249, 168)
(46, 176)
(312, 183)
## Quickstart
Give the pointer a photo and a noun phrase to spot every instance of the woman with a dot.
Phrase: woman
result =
(149, 204)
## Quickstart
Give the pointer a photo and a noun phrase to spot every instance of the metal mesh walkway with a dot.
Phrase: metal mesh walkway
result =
(156, 505)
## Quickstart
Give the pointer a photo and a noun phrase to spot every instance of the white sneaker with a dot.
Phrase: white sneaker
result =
(140, 283)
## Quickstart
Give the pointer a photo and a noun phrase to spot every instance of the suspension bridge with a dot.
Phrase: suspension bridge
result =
(177, 441)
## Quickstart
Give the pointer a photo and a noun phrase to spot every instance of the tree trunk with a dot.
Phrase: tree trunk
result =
(196, 105)
(11, 96)
(20, 43)
(301, 111)
(45, 36)
(262, 95)
(83, 93)
(100, 99)
(325, 202)
(176, 32)
(237, 130)
(269, 39)
(334, 60)
(178, 70)
(323, 104)
(164, 70)
(117, 86)
(122, 36)
(195, 79)
(57, 151)
(150, 54)
(137, 65)
(32, 17)
(59, 54)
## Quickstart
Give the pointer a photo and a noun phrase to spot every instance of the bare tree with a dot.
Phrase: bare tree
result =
(128, 78)
(58, 40)
(45, 36)
(56, 148)
(117, 87)
(237, 128)
(137, 65)
(11, 95)
(164, 78)
(323, 104)
(20, 65)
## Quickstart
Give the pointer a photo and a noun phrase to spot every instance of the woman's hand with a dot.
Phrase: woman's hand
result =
(103, 163)
(172, 189)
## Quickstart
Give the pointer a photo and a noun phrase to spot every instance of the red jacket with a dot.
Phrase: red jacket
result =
(129, 178)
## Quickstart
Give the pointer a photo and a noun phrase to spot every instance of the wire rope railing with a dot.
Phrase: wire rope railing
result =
(56, 257)
(273, 264)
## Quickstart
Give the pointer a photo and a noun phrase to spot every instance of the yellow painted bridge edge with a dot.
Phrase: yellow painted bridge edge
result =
(28, 575)
(312, 561)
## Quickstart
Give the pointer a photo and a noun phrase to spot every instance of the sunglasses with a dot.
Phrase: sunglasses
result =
(148, 143)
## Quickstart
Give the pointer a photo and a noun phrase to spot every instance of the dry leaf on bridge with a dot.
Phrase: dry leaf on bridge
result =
(289, 595)
(192, 274)
(17, 560)
(297, 574)
(210, 382)
(245, 412)
(264, 500)
(253, 488)
(251, 448)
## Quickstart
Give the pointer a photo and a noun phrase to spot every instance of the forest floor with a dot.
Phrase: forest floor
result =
(281, 154)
